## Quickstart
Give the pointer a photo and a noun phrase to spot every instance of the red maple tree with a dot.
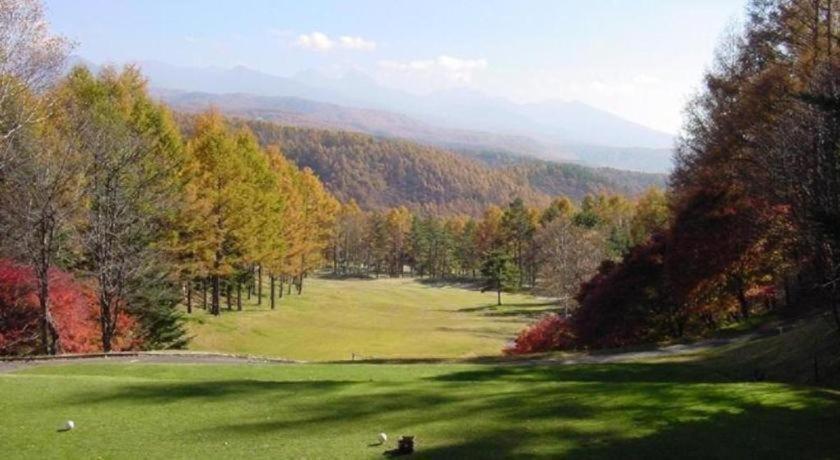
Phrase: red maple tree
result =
(72, 303)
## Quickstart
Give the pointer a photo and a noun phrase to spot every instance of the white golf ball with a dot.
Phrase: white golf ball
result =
(383, 437)
(69, 425)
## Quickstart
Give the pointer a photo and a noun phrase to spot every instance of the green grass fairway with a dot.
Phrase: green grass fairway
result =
(334, 411)
(385, 318)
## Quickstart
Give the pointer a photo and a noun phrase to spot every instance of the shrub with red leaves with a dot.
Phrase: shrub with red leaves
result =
(72, 304)
(552, 332)
(626, 303)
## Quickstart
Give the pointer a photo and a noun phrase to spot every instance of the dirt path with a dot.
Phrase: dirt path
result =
(9, 365)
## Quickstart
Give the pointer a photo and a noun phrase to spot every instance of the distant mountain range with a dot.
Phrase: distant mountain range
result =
(457, 119)
(293, 111)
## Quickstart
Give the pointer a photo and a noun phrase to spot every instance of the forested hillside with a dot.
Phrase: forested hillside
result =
(578, 181)
(381, 173)
(755, 216)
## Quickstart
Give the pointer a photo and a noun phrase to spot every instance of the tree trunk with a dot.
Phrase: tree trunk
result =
(55, 340)
(282, 278)
(106, 337)
(271, 277)
(499, 293)
(228, 292)
(239, 296)
(189, 297)
(106, 322)
(300, 284)
(50, 341)
(680, 326)
(259, 285)
(214, 298)
(204, 293)
(788, 300)
(44, 303)
(743, 302)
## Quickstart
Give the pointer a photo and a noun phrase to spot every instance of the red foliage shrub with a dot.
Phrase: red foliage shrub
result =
(18, 322)
(553, 332)
(72, 304)
(626, 303)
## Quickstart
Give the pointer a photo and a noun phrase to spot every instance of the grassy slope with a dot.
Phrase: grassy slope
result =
(807, 352)
(456, 411)
(383, 318)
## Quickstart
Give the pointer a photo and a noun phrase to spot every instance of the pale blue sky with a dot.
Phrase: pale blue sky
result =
(638, 58)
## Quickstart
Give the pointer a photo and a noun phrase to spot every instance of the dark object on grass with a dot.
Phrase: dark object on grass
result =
(405, 446)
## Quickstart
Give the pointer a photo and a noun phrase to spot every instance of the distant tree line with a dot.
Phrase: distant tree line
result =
(550, 250)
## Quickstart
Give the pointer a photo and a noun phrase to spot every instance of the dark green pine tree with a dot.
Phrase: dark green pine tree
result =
(154, 303)
(499, 272)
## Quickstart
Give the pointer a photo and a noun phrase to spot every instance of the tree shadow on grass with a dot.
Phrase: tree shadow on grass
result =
(468, 284)
(753, 432)
(482, 332)
(407, 410)
(613, 372)
(552, 367)
(529, 313)
(347, 277)
(527, 310)
(162, 393)
(494, 307)
(736, 429)
(489, 359)
(544, 419)
(623, 410)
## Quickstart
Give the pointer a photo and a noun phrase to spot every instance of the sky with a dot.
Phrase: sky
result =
(640, 59)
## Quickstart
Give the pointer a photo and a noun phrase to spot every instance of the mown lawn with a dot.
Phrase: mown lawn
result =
(334, 411)
(385, 318)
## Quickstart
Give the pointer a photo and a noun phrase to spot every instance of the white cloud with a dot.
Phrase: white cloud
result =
(315, 41)
(356, 43)
(448, 67)
(319, 41)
